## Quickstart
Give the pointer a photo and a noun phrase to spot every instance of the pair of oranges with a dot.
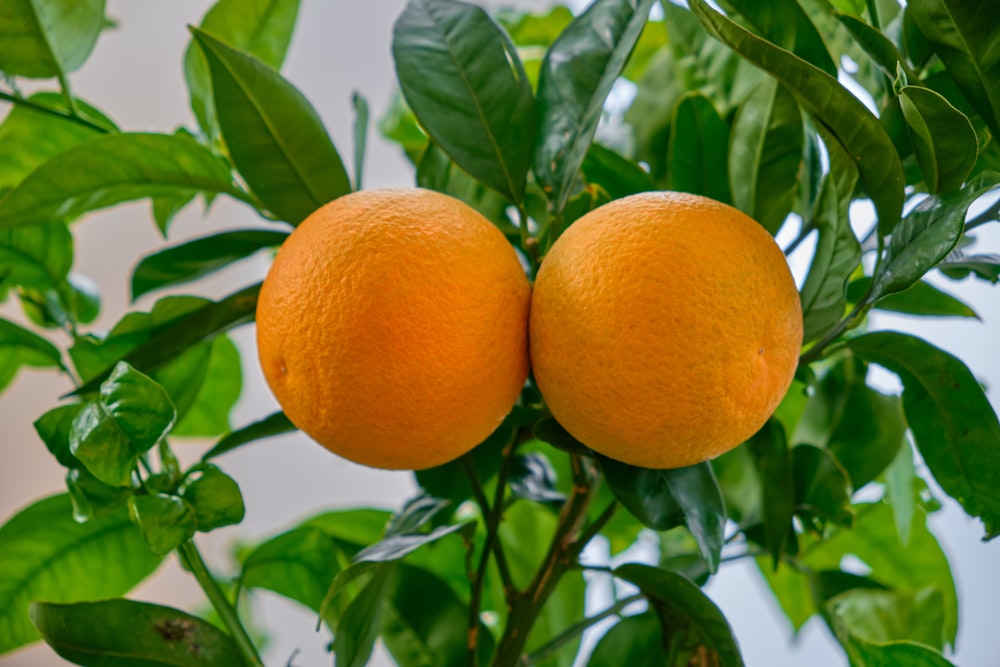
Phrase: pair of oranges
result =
(397, 327)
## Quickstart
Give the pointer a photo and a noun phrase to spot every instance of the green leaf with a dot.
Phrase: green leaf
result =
(53, 428)
(449, 481)
(359, 627)
(636, 641)
(785, 24)
(29, 137)
(774, 464)
(879, 47)
(43, 551)
(436, 171)
(926, 236)
(943, 139)
(838, 251)
(101, 446)
(214, 497)
(462, 77)
(37, 257)
(765, 154)
(92, 497)
(882, 616)
(618, 175)
(920, 299)
(822, 487)
(262, 28)
(427, 624)
(195, 259)
(533, 478)
(963, 34)
(697, 626)
(48, 39)
(360, 105)
(900, 481)
(216, 396)
(165, 521)
(141, 407)
(111, 169)
(577, 74)
(398, 546)
(860, 132)
(275, 137)
(953, 423)
(662, 499)
(697, 153)
(270, 426)
(19, 347)
(164, 343)
(894, 654)
(124, 633)
(957, 265)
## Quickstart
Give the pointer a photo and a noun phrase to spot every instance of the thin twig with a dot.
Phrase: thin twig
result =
(479, 495)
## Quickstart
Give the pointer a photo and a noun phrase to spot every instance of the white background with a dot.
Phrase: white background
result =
(135, 75)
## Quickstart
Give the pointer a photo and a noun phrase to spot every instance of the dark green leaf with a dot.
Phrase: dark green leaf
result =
(216, 395)
(101, 446)
(166, 521)
(43, 40)
(618, 176)
(53, 428)
(111, 169)
(696, 624)
(167, 342)
(533, 478)
(124, 633)
(786, 24)
(37, 257)
(881, 49)
(882, 616)
(141, 407)
(427, 624)
(860, 132)
(43, 551)
(462, 77)
(415, 513)
(92, 497)
(774, 463)
(953, 423)
(662, 499)
(359, 627)
(262, 28)
(29, 137)
(214, 497)
(360, 136)
(274, 136)
(765, 154)
(272, 425)
(943, 139)
(699, 139)
(194, 259)
(576, 77)
(963, 34)
(957, 265)
(927, 235)
(636, 641)
(822, 487)
(921, 298)
(19, 347)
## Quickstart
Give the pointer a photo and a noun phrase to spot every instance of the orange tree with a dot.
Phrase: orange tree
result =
(750, 106)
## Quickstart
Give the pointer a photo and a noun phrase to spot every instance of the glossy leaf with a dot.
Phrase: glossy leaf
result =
(786, 24)
(958, 264)
(662, 499)
(877, 45)
(822, 487)
(577, 74)
(214, 497)
(769, 447)
(920, 299)
(462, 77)
(636, 641)
(215, 396)
(275, 137)
(29, 137)
(953, 423)
(963, 34)
(140, 407)
(270, 426)
(765, 154)
(533, 478)
(927, 235)
(48, 39)
(125, 633)
(696, 624)
(37, 257)
(696, 157)
(398, 546)
(860, 133)
(92, 497)
(20, 347)
(111, 169)
(43, 551)
(261, 28)
(53, 428)
(101, 446)
(165, 521)
(943, 139)
(195, 259)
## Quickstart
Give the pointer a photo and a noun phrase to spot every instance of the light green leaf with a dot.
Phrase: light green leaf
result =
(214, 497)
(882, 616)
(359, 627)
(20, 347)
(48, 39)
(920, 299)
(165, 521)
(216, 395)
(139, 405)
(111, 169)
(44, 551)
(943, 139)
(900, 481)
(274, 135)
(360, 136)
(36, 257)
(697, 152)
(98, 442)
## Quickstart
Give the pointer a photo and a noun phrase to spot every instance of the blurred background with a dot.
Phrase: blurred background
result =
(339, 47)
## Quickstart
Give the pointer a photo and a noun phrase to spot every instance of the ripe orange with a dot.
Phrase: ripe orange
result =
(665, 329)
(392, 327)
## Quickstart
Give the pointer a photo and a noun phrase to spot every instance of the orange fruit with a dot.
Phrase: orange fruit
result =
(392, 327)
(665, 329)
